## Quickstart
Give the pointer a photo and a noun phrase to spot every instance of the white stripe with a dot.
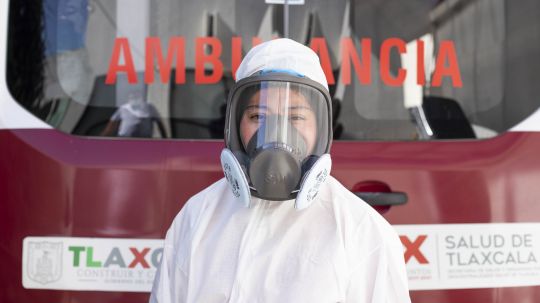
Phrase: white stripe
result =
(531, 124)
(464, 256)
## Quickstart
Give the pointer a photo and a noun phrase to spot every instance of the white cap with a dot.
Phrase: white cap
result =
(282, 54)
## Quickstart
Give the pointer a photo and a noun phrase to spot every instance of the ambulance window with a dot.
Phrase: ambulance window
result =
(163, 69)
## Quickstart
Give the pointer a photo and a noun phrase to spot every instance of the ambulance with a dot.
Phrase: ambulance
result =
(112, 117)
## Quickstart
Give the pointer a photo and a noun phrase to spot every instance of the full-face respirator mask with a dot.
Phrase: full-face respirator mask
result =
(278, 128)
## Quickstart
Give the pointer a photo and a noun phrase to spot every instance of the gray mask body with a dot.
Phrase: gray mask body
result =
(275, 167)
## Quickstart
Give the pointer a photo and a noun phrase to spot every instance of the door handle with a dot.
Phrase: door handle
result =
(379, 195)
(383, 198)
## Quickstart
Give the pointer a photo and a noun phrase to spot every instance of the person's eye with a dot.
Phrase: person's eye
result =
(257, 117)
(297, 117)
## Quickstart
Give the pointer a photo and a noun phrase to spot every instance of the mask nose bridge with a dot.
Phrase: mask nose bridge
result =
(277, 102)
(271, 130)
(277, 128)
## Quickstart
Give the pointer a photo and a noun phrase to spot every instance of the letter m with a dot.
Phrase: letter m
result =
(153, 51)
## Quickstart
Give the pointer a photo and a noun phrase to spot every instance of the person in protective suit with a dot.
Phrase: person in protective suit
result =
(278, 227)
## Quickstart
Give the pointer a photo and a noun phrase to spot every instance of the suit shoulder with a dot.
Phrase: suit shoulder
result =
(203, 200)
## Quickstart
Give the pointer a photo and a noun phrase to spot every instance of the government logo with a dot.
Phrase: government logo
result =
(44, 261)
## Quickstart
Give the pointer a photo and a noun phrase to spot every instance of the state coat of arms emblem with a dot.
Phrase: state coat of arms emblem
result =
(44, 261)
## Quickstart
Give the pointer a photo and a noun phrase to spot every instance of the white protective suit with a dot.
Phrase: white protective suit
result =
(337, 250)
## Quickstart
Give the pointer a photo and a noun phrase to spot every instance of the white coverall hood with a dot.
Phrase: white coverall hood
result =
(282, 54)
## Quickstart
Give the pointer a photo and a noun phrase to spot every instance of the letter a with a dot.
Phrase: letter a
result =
(447, 52)
(121, 45)
(115, 258)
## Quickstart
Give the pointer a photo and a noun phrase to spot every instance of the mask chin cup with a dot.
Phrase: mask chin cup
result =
(235, 177)
(274, 173)
(312, 182)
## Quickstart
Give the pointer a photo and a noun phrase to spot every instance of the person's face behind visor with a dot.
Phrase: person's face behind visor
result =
(286, 107)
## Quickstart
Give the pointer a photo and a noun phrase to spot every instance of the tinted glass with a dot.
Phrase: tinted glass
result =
(398, 70)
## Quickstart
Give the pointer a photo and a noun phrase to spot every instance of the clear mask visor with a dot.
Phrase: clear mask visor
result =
(285, 115)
